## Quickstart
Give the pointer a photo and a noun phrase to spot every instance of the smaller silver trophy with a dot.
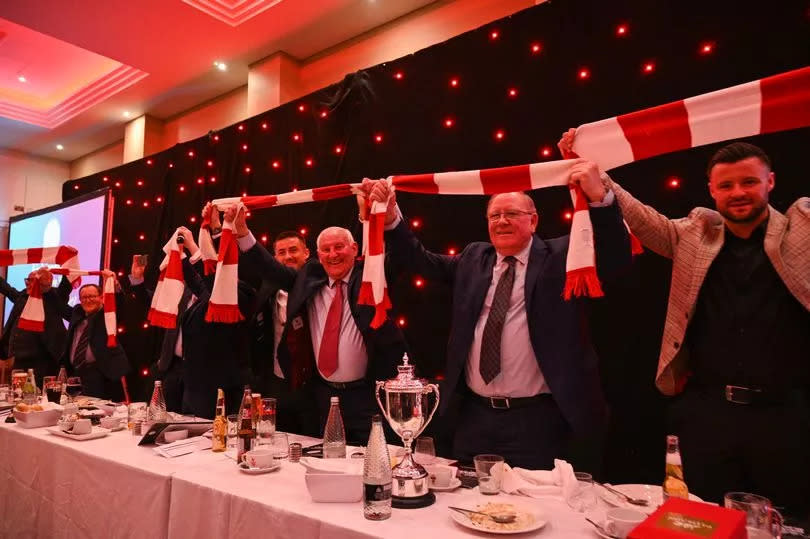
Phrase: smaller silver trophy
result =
(406, 404)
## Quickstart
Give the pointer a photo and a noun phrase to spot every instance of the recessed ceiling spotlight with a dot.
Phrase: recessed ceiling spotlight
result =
(222, 66)
(22, 78)
(126, 114)
(60, 147)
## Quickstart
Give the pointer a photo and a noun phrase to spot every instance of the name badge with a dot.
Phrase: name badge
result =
(297, 323)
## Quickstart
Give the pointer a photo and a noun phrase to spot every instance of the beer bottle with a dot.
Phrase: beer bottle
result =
(674, 484)
(220, 428)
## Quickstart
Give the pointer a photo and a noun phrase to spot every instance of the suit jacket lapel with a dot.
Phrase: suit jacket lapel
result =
(537, 262)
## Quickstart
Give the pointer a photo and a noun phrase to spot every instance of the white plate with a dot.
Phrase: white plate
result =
(258, 471)
(455, 482)
(540, 520)
(652, 493)
(97, 432)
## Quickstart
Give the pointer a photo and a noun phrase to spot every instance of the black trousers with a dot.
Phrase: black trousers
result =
(357, 405)
(759, 448)
(172, 381)
(529, 437)
(95, 384)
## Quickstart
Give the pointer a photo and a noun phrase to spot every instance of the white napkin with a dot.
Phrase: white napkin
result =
(183, 447)
(558, 482)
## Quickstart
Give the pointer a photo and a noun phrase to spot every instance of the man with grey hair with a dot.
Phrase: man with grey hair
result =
(328, 346)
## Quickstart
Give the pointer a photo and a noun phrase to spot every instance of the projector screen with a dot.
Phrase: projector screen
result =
(82, 222)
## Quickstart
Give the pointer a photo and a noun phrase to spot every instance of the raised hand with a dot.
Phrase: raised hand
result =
(586, 174)
(566, 143)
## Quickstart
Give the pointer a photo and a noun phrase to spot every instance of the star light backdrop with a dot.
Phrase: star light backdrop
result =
(499, 95)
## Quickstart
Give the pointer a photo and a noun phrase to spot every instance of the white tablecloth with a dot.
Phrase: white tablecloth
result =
(52, 487)
(109, 488)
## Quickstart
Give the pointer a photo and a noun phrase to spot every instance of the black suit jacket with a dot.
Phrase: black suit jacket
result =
(215, 355)
(54, 302)
(557, 328)
(112, 362)
(384, 345)
(262, 334)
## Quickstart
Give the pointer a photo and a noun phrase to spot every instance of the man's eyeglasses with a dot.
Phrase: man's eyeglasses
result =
(510, 215)
(89, 297)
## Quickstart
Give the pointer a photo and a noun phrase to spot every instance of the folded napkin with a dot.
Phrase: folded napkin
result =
(540, 483)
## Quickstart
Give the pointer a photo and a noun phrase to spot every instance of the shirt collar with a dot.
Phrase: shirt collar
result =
(522, 256)
(345, 278)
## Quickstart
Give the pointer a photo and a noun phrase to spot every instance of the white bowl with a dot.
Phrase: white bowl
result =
(334, 487)
(31, 420)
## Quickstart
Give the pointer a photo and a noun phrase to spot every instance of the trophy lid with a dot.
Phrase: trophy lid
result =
(405, 380)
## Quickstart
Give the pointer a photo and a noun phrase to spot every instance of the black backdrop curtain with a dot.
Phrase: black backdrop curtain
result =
(408, 116)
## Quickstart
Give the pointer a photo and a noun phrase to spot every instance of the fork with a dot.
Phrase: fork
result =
(629, 499)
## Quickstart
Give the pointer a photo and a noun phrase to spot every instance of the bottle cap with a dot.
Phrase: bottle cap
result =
(335, 400)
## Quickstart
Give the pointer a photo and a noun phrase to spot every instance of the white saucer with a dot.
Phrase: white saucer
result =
(258, 471)
(455, 482)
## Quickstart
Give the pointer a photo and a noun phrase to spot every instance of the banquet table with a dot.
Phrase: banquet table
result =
(110, 488)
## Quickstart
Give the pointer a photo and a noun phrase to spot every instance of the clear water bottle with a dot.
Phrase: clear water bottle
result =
(334, 435)
(377, 474)
(156, 413)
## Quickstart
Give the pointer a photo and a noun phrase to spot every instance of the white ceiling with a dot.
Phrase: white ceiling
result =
(89, 60)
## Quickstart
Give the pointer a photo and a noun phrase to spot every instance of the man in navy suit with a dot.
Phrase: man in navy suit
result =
(519, 355)
(328, 346)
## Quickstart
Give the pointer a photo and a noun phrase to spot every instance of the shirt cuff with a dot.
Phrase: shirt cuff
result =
(196, 256)
(246, 242)
(396, 220)
(135, 282)
(606, 201)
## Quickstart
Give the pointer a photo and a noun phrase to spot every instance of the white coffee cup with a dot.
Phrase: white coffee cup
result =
(441, 476)
(259, 458)
(82, 426)
(110, 422)
(620, 521)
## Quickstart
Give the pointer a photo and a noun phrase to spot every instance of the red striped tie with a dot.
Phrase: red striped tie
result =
(328, 353)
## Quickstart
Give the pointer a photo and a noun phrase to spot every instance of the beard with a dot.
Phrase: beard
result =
(753, 214)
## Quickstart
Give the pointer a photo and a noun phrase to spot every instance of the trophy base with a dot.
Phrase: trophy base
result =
(425, 500)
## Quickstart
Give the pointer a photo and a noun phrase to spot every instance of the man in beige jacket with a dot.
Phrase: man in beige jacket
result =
(736, 340)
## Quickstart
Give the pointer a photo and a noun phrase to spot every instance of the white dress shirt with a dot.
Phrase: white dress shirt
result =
(279, 319)
(352, 355)
(520, 374)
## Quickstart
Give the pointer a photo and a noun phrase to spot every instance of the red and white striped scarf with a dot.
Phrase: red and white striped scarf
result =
(169, 288)
(772, 104)
(224, 303)
(206, 244)
(32, 317)
(108, 297)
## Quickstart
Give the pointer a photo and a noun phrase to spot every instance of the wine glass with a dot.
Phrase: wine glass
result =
(266, 425)
(425, 451)
(582, 497)
(73, 388)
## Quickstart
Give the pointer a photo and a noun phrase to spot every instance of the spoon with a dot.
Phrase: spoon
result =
(500, 518)
(601, 530)
(629, 499)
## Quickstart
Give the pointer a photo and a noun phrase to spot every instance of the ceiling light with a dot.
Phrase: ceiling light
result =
(126, 114)
(60, 147)
(222, 66)
(22, 78)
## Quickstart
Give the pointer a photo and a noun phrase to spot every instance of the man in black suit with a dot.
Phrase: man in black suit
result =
(214, 355)
(296, 411)
(329, 342)
(23, 349)
(87, 354)
(519, 355)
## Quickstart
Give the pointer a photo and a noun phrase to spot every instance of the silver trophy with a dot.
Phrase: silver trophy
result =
(405, 407)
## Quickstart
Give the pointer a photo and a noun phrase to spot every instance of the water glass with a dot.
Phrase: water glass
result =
(279, 445)
(233, 429)
(489, 469)
(424, 451)
(266, 425)
(762, 521)
(52, 389)
(582, 496)
(5, 393)
(45, 380)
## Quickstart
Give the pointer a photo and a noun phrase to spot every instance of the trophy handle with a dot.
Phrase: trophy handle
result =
(430, 388)
(384, 412)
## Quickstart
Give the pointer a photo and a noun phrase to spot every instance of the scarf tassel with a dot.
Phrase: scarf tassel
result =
(582, 282)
